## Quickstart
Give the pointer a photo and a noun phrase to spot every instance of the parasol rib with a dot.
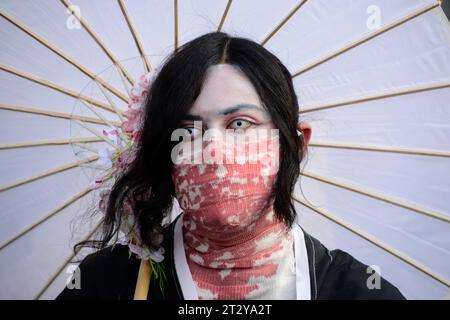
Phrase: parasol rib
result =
(106, 121)
(97, 39)
(368, 37)
(374, 195)
(409, 151)
(62, 54)
(47, 173)
(175, 20)
(343, 103)
(283, 22)
(45, 218)
(224, 15)
(123, 8)
(98, 134)
(86, 147)
(61, 115)
(378, 243)
(111, 102)
(54, 86)
(28, 144)
(124, 81)
(64, 265)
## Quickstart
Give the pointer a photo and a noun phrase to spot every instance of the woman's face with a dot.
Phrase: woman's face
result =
(228, 100)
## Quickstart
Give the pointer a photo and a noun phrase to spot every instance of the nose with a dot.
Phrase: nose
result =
(214, 147)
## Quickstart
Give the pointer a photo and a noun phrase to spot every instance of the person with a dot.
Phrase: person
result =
(237, 236)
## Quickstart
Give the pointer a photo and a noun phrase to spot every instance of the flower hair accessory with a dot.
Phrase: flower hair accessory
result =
(115, 161)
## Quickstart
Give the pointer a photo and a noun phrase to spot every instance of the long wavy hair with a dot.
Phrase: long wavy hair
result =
(147, 180)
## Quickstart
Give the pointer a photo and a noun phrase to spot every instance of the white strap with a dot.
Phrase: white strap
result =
(181, 266)
(302, 267)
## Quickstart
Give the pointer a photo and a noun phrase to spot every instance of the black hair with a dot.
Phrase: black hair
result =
(147, 180)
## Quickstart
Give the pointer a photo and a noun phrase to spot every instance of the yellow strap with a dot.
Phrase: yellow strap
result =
(143, 281)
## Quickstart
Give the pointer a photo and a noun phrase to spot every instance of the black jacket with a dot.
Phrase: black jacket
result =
(111, 273)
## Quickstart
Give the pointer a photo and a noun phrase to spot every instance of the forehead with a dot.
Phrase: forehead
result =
(225, 85)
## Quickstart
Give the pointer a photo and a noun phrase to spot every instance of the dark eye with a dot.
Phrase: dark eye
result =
(192, 132)
(240, 124)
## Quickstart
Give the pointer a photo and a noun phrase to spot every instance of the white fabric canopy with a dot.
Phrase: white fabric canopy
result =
(371, 74)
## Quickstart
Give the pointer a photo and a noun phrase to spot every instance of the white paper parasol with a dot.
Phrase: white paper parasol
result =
(372, 77)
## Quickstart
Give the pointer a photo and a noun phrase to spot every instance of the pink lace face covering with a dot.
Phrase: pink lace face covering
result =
(235, 246)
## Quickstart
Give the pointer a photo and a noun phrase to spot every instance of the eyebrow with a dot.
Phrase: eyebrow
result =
(228, 110)
(238, 107)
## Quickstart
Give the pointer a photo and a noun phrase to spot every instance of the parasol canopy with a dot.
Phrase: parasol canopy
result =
(372, 78)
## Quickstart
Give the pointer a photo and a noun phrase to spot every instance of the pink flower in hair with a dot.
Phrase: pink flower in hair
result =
(125, 137)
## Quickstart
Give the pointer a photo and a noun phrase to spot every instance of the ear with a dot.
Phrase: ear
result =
(306, 131)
